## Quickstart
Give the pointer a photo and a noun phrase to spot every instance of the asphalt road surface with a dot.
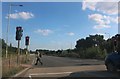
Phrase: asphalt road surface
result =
(51, 61)
(68, 67)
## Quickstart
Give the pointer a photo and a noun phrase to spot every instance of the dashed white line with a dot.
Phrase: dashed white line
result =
(40, 74)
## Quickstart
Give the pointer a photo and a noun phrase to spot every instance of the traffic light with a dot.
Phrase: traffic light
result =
(27, 40)
(19, 34)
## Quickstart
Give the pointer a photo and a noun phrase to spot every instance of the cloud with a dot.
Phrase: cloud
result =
(70, 33)
(102, 21)
(89, 5)
(110, 8)
(101, 26)
(106, 12)
(21, 15)
(98, 18)
(44, 32)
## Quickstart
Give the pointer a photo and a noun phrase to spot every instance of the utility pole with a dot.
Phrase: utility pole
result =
(8, 25)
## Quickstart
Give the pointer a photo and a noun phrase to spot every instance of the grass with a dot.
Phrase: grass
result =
(14, 68)
(12, 71)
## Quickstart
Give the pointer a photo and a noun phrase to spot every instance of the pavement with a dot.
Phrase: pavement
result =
(61, 71)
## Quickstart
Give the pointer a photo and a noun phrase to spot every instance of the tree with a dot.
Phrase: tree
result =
(83, 46)
(3, 43)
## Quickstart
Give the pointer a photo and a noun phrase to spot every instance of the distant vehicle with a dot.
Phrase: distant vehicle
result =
(112, 62)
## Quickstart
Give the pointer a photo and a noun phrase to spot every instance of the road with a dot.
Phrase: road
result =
(68, 67)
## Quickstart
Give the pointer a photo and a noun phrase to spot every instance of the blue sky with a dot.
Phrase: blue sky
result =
(58, 25)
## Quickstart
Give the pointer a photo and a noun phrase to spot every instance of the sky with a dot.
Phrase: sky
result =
(58, 25)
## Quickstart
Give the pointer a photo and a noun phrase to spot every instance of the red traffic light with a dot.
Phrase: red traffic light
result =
(27, 40)
(18, 28)
(19, 34)
(27, 37)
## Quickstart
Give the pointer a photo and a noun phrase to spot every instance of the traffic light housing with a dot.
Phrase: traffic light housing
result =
(19, 34)
(27, 40)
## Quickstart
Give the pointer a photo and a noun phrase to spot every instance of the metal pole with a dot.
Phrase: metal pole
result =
(18, 52)
(26, 53)
(8, 25)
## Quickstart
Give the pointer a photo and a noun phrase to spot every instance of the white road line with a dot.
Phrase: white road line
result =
(30, 75)
(40, 74)
(51, 73)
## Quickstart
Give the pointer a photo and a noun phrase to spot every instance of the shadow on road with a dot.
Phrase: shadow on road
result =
(93, 75)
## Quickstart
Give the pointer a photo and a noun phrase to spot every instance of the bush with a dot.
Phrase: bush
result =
(91, 52)
(95, 52)
(70, 54)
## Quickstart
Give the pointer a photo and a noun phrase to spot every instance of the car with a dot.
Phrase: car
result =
(112, 62)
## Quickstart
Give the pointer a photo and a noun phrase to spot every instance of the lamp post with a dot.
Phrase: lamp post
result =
(8, 25)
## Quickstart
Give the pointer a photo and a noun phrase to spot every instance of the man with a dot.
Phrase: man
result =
(38, 58)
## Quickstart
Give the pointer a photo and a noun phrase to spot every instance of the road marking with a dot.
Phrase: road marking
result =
(30, 77)
(40, 74)
(51, 73)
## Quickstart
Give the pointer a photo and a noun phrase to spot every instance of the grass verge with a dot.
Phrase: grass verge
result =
(13, 71)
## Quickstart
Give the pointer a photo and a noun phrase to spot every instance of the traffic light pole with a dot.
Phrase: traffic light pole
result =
(27, 44)
(18, 52)
(26, 53)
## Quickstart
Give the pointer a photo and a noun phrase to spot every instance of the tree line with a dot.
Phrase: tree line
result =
(11, 49)
(93, 46)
